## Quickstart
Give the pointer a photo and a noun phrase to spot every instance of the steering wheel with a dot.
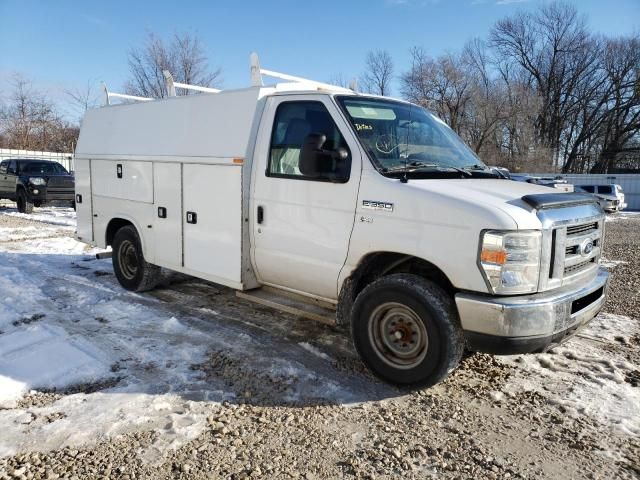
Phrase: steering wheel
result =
(385, 144)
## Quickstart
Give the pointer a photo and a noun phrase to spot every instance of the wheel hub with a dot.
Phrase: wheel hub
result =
(128, 259)
(398, 335)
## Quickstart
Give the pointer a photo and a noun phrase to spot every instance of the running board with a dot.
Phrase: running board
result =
(290, 303)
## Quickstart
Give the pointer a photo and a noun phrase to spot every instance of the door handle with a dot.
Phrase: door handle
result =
(162, 212)
(260, 214)
(192, 217)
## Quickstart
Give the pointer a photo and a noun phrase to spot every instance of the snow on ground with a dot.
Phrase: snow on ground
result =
(624, 215)
(65, 321)
(46, 357)
(583, 377)
(65, 217)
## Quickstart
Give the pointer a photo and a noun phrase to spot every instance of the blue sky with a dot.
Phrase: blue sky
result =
(62, 44)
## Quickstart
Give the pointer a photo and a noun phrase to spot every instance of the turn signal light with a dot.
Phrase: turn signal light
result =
(498, 257)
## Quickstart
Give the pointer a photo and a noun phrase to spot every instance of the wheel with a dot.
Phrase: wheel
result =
(131, 269)
(24, 204)
(406, 330)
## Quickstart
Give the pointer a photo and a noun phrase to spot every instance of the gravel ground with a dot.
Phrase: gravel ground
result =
(462, 428)
(622, 243)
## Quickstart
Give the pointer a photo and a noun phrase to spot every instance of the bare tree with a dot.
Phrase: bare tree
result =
(441, 85)
(30, 121)
(183, 56)
(340, 80)
(82, 99)
(554, 48)
(378, 73)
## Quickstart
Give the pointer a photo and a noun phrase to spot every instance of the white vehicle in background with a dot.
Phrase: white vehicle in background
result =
(557, 183)
(610, 197)
(350, 209)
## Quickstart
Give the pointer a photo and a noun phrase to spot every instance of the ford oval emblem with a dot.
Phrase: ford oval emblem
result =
(586, 248)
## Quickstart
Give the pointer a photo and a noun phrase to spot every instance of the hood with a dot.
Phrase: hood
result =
(505, 195)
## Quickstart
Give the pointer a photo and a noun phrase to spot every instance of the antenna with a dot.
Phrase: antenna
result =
(171, 85)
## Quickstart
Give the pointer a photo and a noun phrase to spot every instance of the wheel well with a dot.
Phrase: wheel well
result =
(114, 225)
(379, 264)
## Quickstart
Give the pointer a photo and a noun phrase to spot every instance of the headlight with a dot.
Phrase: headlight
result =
(37, 181)
(510, 260)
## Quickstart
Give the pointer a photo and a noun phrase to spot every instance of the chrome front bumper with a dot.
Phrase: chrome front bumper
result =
(529, 323)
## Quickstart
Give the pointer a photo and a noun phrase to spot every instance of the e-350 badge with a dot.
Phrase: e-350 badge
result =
(374, 205)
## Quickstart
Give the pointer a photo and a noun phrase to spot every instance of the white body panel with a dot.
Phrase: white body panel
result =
(212, 245)
(175, 127)
(167, 232)
(84, 212)
(437, 220)
(135, 181)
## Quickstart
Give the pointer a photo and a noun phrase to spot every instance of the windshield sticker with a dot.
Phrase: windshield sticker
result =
(363, 126)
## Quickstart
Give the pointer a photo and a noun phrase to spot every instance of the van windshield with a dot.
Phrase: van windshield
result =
(405, 138)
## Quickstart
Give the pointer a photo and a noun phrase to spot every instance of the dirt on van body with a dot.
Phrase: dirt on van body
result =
(275, 396)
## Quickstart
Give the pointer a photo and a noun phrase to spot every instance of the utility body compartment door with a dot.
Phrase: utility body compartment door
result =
(84, 202)
(125, 180)
(167, 224)
(212, 221)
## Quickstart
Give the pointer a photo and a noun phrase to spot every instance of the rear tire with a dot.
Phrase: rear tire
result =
(24, 203)
(132, 271)
(407, 331)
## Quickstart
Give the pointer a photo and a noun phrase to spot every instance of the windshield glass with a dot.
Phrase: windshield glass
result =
(42, 168)
(401, 135)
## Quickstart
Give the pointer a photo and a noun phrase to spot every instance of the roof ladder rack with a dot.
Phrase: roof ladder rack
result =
(171, 85)
(109, 95)
(257, 72)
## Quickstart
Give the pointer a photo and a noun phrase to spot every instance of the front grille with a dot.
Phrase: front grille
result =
(579, 246)
(60, 190)
(577, 267)
(582, 229)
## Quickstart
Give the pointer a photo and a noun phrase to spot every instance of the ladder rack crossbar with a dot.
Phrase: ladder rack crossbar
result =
(196, 88)
(109, 95)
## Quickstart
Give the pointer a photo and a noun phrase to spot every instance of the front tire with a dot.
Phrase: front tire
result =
(25, 205)
(406, 330)
(132, 271)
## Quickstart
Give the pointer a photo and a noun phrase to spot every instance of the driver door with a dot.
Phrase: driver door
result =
(302, 220)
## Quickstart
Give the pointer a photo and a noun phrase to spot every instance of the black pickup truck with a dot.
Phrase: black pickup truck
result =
(33, 182)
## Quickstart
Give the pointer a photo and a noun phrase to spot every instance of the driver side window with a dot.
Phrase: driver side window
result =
(307, 145)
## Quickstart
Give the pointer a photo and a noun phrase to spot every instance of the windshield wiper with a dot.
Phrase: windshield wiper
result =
(496, 171)
(417, 166)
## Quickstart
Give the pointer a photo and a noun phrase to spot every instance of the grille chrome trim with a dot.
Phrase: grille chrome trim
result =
(565, 231)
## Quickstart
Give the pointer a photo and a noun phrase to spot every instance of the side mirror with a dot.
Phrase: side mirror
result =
(314, 161)
(340, 154)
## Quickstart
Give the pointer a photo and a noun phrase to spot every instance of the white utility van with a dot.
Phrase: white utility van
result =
(352, 209)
